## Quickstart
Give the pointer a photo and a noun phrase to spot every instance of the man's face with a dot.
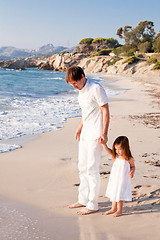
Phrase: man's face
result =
(78, 84)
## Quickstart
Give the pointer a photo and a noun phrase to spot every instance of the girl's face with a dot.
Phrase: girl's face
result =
(119, 150)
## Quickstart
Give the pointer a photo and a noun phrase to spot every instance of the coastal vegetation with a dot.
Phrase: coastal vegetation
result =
(97, 46)
(142, 39)
(140, 52)
(156, 66)
(131, 60)
(151, 60)
(138, 42)
(113, 61)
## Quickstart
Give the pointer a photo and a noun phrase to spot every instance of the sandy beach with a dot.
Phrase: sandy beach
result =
(40, 180)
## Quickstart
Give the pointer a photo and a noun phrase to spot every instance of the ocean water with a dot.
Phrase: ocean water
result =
(35, 101)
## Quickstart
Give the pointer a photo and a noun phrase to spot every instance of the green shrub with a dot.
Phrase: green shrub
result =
(86, 40)
(98, 40)
(127, 48)
(118, 50)
(104, 52)
(63, 52)
(94, 54)
(156, 44)
(112, 43)
(157, 56)
(151, 60)
(140, 56)
(131, 60)
(156, 66)
(101, 52)
(129, 54)
(145, 47)
(109, 63)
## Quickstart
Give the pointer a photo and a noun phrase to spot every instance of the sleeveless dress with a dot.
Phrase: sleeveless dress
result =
(119, 184)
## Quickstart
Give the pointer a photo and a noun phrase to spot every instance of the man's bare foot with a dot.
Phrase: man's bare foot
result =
(86, 211)
(110, 212)
(117, 214)
(76, 205)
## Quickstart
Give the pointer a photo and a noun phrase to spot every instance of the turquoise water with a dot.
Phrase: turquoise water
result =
(32, 83)
(35, 101)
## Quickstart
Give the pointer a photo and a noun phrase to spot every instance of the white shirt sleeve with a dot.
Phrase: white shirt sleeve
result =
(100, 95)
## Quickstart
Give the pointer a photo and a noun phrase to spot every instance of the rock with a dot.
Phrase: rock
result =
(60, 62)
(57, 62)
(46, 66)
(13, 64)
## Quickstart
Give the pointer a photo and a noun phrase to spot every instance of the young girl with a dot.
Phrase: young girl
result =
(119, 185)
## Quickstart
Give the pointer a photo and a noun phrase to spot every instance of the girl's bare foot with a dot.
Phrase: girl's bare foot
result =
(86, 211)
(110, 212)
(76, 205)
(117, 214)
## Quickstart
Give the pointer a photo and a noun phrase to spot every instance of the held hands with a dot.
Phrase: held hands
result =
(131, 174)
(102, 139)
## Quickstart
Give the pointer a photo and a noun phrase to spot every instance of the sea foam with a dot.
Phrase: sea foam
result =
(30, 105)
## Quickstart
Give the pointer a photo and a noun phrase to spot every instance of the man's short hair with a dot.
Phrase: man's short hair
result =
(74, 73)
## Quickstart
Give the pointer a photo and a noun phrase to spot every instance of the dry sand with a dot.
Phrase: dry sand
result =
(40, 180)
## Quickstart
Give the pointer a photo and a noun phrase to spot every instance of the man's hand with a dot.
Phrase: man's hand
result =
(103, 139)
(78, 133)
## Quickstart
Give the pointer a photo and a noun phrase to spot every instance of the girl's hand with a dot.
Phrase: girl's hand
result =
(131, 174)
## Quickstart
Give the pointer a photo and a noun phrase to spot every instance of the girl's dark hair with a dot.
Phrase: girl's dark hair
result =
(74, 73)
(124, 142)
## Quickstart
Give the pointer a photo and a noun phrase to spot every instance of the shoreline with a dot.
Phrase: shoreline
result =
(43, 174)
(12, 143)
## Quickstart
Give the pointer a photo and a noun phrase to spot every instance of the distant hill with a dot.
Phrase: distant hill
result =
(7, 53)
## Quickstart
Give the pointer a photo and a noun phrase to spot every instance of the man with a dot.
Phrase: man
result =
(91, 132)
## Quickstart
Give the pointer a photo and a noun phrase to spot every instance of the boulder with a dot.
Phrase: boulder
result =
(13, 64)
(57, 62)
(46, 66)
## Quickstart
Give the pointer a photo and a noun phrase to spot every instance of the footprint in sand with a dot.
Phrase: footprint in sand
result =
(156, 202)
(152, 176)
(155, 193)
(65, 159)
(140, 186)
(134, 193)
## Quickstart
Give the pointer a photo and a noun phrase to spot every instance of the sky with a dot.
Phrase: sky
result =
(30, 24)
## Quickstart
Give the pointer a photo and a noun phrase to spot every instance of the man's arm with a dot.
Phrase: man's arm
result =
(105, 112)
(78, 131)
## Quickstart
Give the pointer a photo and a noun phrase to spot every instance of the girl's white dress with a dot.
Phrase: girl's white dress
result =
(119, 185)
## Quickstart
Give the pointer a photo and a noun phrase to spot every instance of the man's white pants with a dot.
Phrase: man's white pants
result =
(89, 160)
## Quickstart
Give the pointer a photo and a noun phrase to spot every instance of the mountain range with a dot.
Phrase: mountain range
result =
(7, 53)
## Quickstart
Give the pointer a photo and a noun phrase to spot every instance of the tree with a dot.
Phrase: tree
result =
(145, 47)
(86, 41)
(156, 43)
(112, 43)
(143, 32)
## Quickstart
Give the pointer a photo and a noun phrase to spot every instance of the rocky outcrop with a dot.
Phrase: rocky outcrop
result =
(60, 62)
(23, 63)
(13, 64)
(97, 64)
